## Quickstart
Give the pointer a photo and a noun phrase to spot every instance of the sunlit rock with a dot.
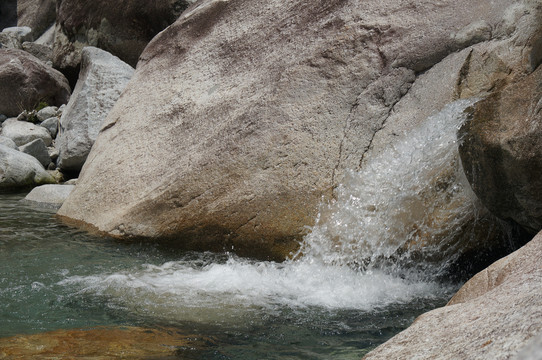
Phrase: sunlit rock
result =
(22, 132)
(18, 169)
(493, 316)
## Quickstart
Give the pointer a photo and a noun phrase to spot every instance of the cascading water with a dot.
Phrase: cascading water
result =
(370, 265)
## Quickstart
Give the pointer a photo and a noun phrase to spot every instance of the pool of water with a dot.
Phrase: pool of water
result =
(56, 277)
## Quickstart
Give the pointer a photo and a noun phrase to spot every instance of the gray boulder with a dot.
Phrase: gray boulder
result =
(49, 196)
(21, 170)
(37, 149)
(22, 132)
(493, 316)
(251, 113)
(101, 81)
(42, 52)
(51, 124)
(25, 81)
(22, 33)
(8, 142)
(39, 15)
(47, 112)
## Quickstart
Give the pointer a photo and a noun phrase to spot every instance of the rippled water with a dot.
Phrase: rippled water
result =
(57, 277)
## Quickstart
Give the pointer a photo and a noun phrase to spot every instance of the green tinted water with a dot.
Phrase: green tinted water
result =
(56, 277)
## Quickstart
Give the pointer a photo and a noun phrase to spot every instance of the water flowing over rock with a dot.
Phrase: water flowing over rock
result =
(101, 81)
(25, 81)
(248, 114)
(18, 169)
(501, 151)
(123, 30)
(493, 316)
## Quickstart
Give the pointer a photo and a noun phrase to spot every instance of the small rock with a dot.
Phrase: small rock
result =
(2, 118)
(23, 33)
(51, 124)
(8, 142)
(57, 175)
(53, 153)
(71, 182)
(37, 149)
(47, 112)
(42, 52)
(18, 169)
(49, 196)
(22, 132)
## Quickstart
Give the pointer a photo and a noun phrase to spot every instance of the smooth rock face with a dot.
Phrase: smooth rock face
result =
(37, 149)
(22, 132)
(247, 114)
(21, 170)
(106, 343)
(49, 196)
(493, 316)
(25, 81)
(101, 81)
(501, 151)
(123, 30)
(39, 15)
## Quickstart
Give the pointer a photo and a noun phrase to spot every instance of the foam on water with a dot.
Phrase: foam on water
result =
(411, 193)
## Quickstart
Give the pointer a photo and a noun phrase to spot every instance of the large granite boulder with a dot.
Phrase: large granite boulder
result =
(493, 316)
(22, 132)
(39, 15)
(18, 170)
(123, 30)
(242, 116)
(101, 81)
(25, 81)
(501, 151)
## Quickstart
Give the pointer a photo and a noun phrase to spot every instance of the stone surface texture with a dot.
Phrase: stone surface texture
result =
(22, 132)
(25, 81)
(101, 81)
(8, 142)
(493, 316)
(49, 196)
(18, 169)
(247, 114)
(37, 149)
(123, 30)
(501, 151)
(39, 15)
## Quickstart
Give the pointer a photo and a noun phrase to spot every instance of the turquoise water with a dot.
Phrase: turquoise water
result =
(56, 277)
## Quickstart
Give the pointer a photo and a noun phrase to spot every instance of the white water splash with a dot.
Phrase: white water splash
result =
(414, 193)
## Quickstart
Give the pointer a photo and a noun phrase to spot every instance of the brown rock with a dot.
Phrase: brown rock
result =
(493, 316)
(501, 151)
(39, 15)
(25, 81)
(103, 343)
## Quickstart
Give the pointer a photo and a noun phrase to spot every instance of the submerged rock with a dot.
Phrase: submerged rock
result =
(49, 196)
(106, 343)
(18, 169)
(242, 117)
(493, 316)
(501, 151)
(101, 81)
(25, 81)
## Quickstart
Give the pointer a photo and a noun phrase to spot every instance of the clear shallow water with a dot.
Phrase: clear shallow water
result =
(57, 277)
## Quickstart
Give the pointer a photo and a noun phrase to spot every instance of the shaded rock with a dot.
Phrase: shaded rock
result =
(25, 81)
(39, 15)
(501, 152)
(49, 196)
(493, 316)
(8, 142)
(51, 124)
(252, 112)
(22, 132)
(123, 30)
(107, 343)
(101, 81)
(21, 170)
(42, 52)
(37, 149)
